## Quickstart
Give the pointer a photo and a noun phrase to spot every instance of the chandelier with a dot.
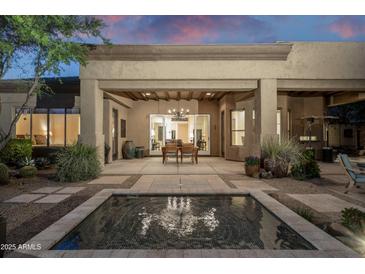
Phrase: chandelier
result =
(179, 115)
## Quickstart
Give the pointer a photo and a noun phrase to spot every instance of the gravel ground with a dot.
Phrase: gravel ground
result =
(26, 220)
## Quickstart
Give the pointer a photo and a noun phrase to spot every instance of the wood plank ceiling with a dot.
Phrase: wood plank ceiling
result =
(171, 95)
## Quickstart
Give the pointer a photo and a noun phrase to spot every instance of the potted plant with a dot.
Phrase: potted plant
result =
(252, 166)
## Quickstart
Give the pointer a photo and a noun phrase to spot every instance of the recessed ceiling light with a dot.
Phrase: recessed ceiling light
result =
(208, 93)
(148, 94)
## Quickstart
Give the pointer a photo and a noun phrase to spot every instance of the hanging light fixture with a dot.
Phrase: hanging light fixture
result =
(180, 114)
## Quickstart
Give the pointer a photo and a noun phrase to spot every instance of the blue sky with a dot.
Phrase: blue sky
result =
(218, 30)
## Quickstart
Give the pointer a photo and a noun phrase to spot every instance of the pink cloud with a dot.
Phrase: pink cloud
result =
(348, 27)
(184, 29)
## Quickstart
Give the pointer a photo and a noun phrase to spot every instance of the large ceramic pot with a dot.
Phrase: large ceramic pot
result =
(129, 150)
(252, 170)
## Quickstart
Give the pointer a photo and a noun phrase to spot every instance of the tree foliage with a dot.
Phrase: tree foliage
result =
(50, 42)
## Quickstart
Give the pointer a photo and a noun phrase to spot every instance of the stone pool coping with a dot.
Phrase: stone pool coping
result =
(327, 246)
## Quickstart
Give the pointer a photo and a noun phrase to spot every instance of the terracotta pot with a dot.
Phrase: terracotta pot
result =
(252, 170)
(129, 150)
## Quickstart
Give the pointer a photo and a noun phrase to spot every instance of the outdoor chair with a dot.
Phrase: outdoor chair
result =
(356, 177)
(170, 150)
(189, 150)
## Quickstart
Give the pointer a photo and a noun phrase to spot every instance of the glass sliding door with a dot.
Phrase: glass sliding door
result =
(157, 133)
(195, 129)
(202, 133)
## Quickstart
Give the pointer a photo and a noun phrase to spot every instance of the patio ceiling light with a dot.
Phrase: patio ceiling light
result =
(148, 94)
(209, 93)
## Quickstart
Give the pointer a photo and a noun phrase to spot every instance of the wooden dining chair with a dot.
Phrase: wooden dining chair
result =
(170, 150)
(188, 150)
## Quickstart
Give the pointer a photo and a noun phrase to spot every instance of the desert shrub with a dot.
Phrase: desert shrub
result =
(307, 167)
(353, 219)
(252, 161)
(77, 163)
(26, 162)
(278, 154)
(4, 174)
(15, 151)
(28, 171)
(42, 162)
(46, 152)
(306, 213)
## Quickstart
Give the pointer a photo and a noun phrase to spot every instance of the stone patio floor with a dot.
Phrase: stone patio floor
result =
(153, 165)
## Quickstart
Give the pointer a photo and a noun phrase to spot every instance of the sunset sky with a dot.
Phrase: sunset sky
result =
(220, 30)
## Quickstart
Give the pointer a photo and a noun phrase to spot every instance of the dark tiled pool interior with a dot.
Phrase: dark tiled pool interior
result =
(182, 222)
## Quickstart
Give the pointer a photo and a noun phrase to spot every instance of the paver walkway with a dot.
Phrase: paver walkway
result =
(172, 183)
(46, 195)
(24, 198)
(324, 202)
(53, 199)
(253, 184)
(109, 180)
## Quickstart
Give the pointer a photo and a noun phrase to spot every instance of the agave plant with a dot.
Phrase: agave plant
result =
(278, 154)
(27, 162)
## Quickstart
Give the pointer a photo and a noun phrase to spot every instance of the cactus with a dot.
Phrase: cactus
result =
(28, 171)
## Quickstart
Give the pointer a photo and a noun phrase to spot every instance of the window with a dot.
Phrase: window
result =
(72, 126)
(55, 127)
(237, 127)
(278, 123)
(40, 127)
(23, 129)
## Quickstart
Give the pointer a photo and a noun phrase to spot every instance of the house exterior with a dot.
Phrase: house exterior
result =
(236, 95)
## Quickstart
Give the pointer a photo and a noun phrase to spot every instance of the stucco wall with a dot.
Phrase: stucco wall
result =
(8, 103)
(307, 60)
(298, 106)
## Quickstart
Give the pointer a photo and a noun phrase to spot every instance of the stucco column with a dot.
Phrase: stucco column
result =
(91, 101)
(265, 108)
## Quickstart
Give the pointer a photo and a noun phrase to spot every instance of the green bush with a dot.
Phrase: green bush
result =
(78, 163)
(353, 219)
(306, 213)
(306, 168)
(15, 151)
(4, 174)
(27, 171)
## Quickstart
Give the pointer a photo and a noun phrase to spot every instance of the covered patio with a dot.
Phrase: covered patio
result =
(153, 165)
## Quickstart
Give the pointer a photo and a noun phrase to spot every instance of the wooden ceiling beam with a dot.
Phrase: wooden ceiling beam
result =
(167, 96)
(201, 96)
(155, 96)
(132, 96)
(190, 96)
(178, 96)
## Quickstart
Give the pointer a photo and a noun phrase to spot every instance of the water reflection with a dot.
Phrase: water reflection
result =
(183, 222)
(178, 217)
